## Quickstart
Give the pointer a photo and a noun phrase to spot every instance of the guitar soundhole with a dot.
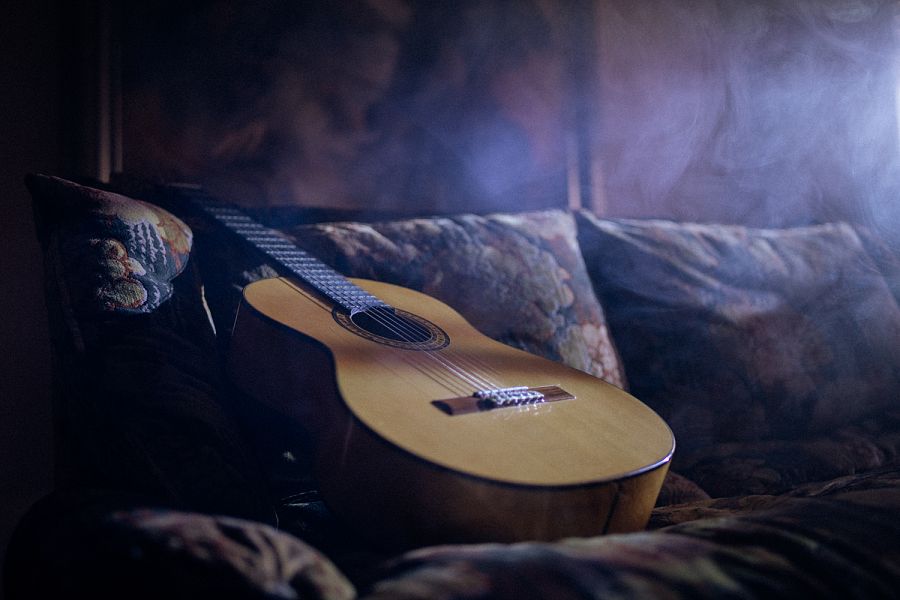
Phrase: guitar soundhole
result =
(385, 323)
(394, 327)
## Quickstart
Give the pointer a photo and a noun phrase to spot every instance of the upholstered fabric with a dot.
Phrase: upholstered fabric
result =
(102, 544)
(778, 466)
(885, 255)
(740, 334)
(770, 352)
(114, 254)
(518, 278)
(837, 543)
(837, 539)
(139, 403)
(884, 479)
(678, 489)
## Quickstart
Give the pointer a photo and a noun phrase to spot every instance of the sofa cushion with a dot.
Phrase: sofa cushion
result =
(138, 404)
(520, 278)
(886, 255)
(878, 481)
(778, 466)
(738, 334)
(830, 543)
(102, 545)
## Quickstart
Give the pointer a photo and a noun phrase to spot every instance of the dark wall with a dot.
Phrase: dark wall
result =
(29, 141)
(763, 112)
(442, 106)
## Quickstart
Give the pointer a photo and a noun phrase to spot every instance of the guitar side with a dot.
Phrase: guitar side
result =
(391, 462)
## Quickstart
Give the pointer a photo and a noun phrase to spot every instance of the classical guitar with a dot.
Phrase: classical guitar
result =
(426, 430)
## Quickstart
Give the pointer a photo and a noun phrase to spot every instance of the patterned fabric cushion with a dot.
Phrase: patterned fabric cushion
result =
(886, 256)
(884, 479)
(115, 254)
(741, 334)
(93, 544)
(678, 489)
(778, 466)
(831, 543)
(520, 279)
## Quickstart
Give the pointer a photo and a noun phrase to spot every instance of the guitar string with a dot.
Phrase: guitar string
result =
(397, 326)
(249, 229)
(439, 376)
(400, 326)
(450, 370)
(474, 362)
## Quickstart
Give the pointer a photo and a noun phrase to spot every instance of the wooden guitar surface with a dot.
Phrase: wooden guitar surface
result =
(406, 453)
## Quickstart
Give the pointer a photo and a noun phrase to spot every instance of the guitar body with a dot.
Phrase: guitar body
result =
(405, 453)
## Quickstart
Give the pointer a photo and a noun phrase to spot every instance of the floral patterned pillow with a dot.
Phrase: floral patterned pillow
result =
(737, 334)
(116, 254)
(519, 278)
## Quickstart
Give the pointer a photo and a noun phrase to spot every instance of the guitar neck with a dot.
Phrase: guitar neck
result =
(282, 251)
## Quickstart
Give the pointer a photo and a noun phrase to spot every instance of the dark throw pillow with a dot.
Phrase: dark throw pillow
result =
(737, 334)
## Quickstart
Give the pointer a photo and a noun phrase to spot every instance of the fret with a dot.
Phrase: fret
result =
(277, 245)
(235, 220)
(273, 244)
(293, 260)
(261, 241)
(243, 229)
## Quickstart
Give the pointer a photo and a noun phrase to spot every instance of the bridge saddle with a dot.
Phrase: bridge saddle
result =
(491, 399)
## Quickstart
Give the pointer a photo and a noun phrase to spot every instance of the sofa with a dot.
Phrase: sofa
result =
(771, 353)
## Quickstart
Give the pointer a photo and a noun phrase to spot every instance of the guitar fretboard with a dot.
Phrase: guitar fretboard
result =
(328, 282)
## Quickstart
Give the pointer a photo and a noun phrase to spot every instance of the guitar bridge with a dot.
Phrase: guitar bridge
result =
(492, 399)
(511, 396)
